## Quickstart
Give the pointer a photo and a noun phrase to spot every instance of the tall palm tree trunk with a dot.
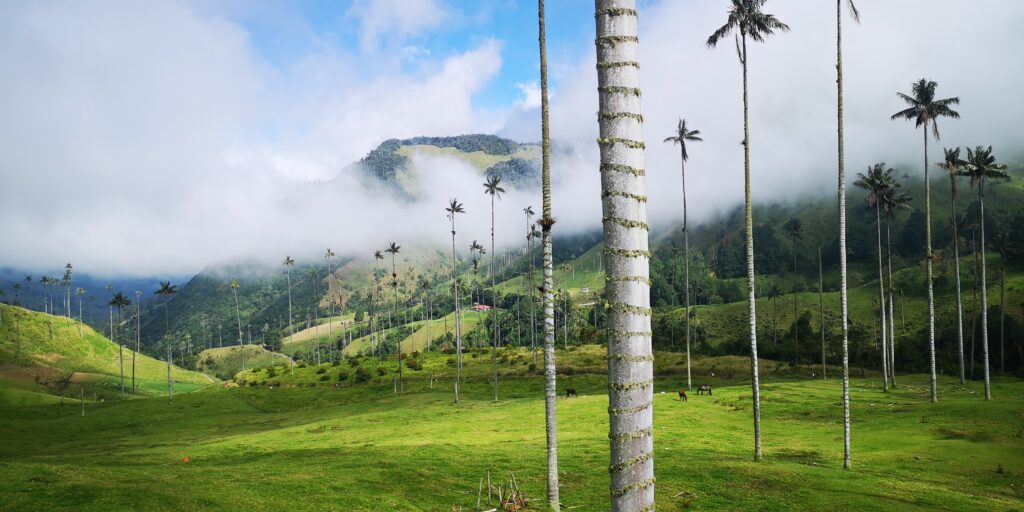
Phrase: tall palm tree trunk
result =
(748, 220)
(120, 346)
(550, 390)
(167, 340)
(881, 298)
(494, 308)
(984, 295)
(138, 336)
(686, 267)
(398, 341)
(627, 284)
(843, 299)
(933, 384)
(956, 267)
(458, 330)
(291, 326)
(892, 311)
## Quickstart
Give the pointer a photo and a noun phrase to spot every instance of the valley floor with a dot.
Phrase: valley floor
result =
(361, 448)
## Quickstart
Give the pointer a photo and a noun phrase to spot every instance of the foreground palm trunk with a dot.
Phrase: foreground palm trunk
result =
(627, 282)
(843, 300)
(956, 267)
(550, 389)
(821, 315)
(881, 298)
(984, 295)
(751, 280)
(933, 384)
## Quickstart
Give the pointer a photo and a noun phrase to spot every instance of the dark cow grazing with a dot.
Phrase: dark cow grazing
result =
(571, 393)
(682, 395)
(702, 388)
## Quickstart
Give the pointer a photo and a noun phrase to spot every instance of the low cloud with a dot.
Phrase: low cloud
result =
(140, 139)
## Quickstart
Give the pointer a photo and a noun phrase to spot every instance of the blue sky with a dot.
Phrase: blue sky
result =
(284, 32)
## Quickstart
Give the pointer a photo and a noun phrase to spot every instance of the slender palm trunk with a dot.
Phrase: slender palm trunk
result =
(138, 339)
(933, 384)
(120, 346)
(167, 340)
(238, 316)
(892, 312)
(686, 269)
(881, 298)
(974, 298)
(398, 342)
(751, 279)
(956, 267)
(458, 322)
(843, 299)
(796, 313)
(821, 315)
(494, 308)
(984, 295)
(627, 284)
(550, 390)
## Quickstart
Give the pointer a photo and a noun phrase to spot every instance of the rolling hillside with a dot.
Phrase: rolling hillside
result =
(33, 361)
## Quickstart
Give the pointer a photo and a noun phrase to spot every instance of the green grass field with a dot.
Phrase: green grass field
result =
(311, 447)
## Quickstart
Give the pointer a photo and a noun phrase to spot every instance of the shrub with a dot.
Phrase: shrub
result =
(533, 367)
(416, 354)
(343, 376)
(413, 364)
(336, 363)
(353, 362)
(271, 373)
(382, 371)
(321, 371)
(362, 374)
(325, 378)
(451, 361)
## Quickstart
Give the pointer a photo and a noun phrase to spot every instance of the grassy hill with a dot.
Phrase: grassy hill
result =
(224, 362)
(33, 361)
(362, 448)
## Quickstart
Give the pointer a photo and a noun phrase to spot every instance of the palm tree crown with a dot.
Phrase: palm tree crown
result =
(746, 17)
(981, 165)
(682, 135)
(877, 182)
(924, 107)
(492, 188)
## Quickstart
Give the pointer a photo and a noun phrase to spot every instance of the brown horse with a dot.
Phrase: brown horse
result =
(682, 395)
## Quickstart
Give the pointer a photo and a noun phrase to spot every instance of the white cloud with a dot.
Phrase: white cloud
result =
(529, 95)
(395, 17)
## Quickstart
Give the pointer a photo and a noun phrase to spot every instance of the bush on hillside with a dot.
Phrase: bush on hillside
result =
(362, 375)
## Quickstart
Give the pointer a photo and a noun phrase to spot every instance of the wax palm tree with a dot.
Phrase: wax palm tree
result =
(682, 135)
(877, 182)
(953, 164)
(314, 277)
(794, 228)
(238, 317)
(329, 255)
(167, 290)
(841, 194)
(138, 332)
(528, 211)
(627, 283)
(492, 188)
(78, 293)
(288, 264)
(424, 285)
(924, 109)
(374, 332)
(120, 301)
(455, 207)
(1003, 245)
(981, 165)
(746, 17)
(892, 201)
(66, 283)
(393, 251)
(28, 289)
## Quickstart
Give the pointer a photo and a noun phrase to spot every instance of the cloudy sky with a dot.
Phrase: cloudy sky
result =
(160, 137)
